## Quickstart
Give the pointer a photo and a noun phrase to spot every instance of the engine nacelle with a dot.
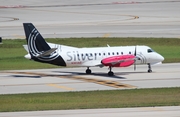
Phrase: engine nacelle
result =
(119, 61)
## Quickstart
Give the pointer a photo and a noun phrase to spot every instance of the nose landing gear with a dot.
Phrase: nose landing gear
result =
(149, 68)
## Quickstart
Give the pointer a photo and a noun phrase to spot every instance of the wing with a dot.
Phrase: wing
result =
(119, 61)
(93, 63)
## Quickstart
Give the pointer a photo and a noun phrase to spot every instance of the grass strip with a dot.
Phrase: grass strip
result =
(90, 99)
(12, 51)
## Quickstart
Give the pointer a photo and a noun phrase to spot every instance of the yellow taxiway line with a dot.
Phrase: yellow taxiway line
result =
(61, 87)
(76, 77)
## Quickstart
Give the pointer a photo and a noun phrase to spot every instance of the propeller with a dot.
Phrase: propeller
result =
(135, 59)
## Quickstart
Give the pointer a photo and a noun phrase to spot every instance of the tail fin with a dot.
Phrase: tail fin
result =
(36, 43)
(38, 49)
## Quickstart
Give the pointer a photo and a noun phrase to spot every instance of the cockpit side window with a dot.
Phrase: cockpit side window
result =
(150, 50)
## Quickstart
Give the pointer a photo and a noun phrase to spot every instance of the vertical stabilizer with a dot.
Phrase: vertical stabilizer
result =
(35, 41)
(38, 49)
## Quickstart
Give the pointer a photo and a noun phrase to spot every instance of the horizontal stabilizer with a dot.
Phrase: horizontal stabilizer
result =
(26, 48)
(47, 53)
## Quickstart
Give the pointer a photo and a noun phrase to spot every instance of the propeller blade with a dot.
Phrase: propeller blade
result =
(135, 51)
(135, 59)
(134, 66)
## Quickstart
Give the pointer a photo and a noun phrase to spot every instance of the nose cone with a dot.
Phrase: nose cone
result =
(160, 58)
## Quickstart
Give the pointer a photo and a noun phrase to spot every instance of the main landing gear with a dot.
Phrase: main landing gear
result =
(88, 71)
(110, 73)
(149, 68)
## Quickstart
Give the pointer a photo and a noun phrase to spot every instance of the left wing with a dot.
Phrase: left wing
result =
(119, 61)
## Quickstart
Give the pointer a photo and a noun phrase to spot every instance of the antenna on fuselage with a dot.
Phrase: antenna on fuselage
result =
(108, 45)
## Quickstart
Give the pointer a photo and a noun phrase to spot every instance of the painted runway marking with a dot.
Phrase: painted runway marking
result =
(121, 17)
(92, 80)
(152, 109)
(130, 2)
(8, 19)
(106, 35)
(61, 87)
(12, 6)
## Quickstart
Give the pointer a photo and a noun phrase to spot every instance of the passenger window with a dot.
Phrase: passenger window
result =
(113, 53)
(121, 53)
(129, 52)
(108, 53)
(117, 53)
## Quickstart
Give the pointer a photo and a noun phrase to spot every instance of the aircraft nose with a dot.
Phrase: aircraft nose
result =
(160, 57)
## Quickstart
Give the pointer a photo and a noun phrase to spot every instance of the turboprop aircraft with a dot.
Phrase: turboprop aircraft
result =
(120, 56)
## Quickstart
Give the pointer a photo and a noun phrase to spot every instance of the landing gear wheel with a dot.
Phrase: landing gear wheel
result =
(88, 71)
(149, 71)
(110, 73)
(149, 68)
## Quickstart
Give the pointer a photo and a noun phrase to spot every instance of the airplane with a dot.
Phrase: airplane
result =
(61, 55)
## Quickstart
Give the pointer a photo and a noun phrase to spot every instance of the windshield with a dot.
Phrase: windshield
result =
(150, 50)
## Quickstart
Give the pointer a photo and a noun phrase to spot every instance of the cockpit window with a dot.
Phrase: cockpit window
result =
(150, 50)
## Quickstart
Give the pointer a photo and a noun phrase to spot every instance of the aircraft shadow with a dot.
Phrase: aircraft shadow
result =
(25, 76)
(117, 75)
(94, 74)
(127, 73)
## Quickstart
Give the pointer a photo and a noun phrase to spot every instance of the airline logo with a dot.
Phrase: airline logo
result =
(34, 50)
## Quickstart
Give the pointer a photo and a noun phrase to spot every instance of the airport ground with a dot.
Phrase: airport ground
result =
(75, 79)
(84, 18)
(113, 112)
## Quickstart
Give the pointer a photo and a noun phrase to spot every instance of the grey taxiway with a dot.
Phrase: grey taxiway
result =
(75, 79)
(86, 18)
(173, 111)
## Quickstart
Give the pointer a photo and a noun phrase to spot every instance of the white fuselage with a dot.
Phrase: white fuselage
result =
(120, 56)
(92, 56)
